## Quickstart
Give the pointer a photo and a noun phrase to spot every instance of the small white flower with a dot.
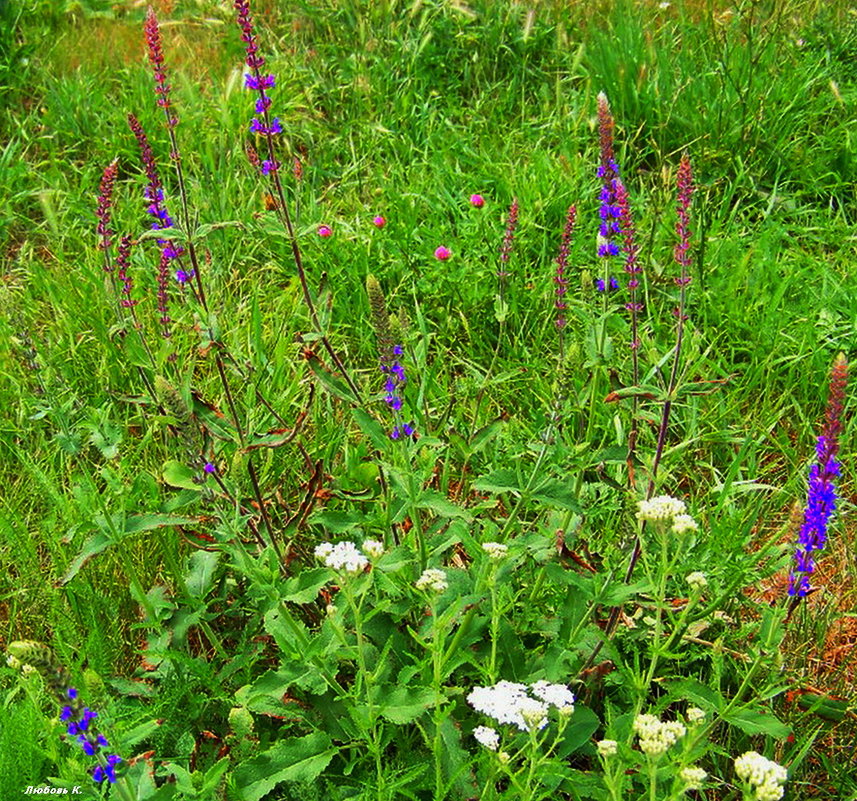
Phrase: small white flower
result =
(487, 736)
(694, 714)
(557, 695)
(697, 580)
(373, 549)
(657, 736)
(534, 713)
(693, 777)
(507, 702)
(683, 523)
(607, 748)
(343, 556)
(495, 550)
(433, 580)
(764, 774)
(660, 508)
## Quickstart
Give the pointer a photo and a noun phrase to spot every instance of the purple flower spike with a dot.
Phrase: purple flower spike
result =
(822, 496)
(156, 57)
(105, 202)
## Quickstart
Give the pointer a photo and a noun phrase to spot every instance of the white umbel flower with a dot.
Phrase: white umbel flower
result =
(495, 550)
(657, 736)
(694, 714)
(693, 777)
(507, 702)
(697, 580)
(607, 748)
(557, 695)
(344, 556)
(373, 548)
(764, 774)
(487, 736)
(660, 508)
(432, 580)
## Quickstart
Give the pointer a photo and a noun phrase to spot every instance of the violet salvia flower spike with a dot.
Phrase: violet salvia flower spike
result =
(269, 128)
(508, 243)
(822, 495)
(156, 57)
(682, 228)
(609, 210)
(79, 719)
(560, 279)
(103, 211)
(122, 262)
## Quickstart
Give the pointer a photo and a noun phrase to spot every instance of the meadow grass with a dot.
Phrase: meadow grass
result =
(405, 110)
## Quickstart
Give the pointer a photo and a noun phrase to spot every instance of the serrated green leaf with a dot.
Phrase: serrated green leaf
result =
(502, 480)
(93, 546)
(753, 721)
(441, 505)
(178, 475)
(301, 759)
(405, 704)
(203, 565)
(304, 588)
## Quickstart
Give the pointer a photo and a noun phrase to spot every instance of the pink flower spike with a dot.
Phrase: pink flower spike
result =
(379, 221)
(325, 231)
(442, 253)
(477, 201)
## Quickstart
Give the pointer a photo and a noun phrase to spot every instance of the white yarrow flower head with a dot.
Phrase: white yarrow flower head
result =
(697, 580)
(693, 777)
(342, 557)
(683, 524)
(487, 736)
(660, 509)
(432, 580)
(607, 748)
(694, 714)
(766, 776)
(373, 548)
(557, 695)
(507, 702)
(495, 550)
(534, 713)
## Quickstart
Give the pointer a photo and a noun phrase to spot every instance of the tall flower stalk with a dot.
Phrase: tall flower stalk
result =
(561, 281)
(506, 249)
(822, 496)
(268, 127)
(609, 211)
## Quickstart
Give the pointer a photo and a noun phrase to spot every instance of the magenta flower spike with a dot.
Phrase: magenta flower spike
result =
(156, 58)
(103, 211)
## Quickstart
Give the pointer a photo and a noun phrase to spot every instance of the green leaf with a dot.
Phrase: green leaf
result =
(502, 480)
(558, 493)
(303, 588)
(178, 475)
(301, 759)
(405, 704)
(440, 505)
(94, 545)
(200, 578)
(333, 384)
(583, 724)
(372, 429)
(136, 523)
(753, 721)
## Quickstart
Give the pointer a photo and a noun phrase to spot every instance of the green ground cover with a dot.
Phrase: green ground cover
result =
(189, 607)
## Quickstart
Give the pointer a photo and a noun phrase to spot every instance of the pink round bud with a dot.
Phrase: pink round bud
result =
(325, 231)
(379, 221)
(442, 253)
(477, 201)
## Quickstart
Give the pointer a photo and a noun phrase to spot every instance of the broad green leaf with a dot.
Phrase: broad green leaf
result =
(179, 475)
(752, 721)
(94, 545)
(290, 760)
(303, 588)
(405, 704)
(502, 480)
(372, 429)
(332, 383)
(441, 505)
(203, 565)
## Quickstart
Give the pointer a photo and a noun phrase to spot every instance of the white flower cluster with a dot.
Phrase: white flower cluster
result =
(693, 777)
(766, 776)
(657, 736)
(342, 556)
(683, 523)
(487, 736)
(495, 550)
(607, 748)
(660, 508)
(433, 580)
(508, 702)
(373, 548)
(697, 580)
(694, 714)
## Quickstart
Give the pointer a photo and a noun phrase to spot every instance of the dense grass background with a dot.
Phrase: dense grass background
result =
(404, 109)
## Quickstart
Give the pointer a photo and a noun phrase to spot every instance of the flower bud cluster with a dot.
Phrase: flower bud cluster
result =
(495, 550)
(432, 580)
(662, 508)
(693, 777)
(607, 748)
(509, 702)
(697, 580)
(766, 776)
(657, 736)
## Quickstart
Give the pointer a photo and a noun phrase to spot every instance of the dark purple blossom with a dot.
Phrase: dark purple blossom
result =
(105, 203)
(156, 57)
(561, 263)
